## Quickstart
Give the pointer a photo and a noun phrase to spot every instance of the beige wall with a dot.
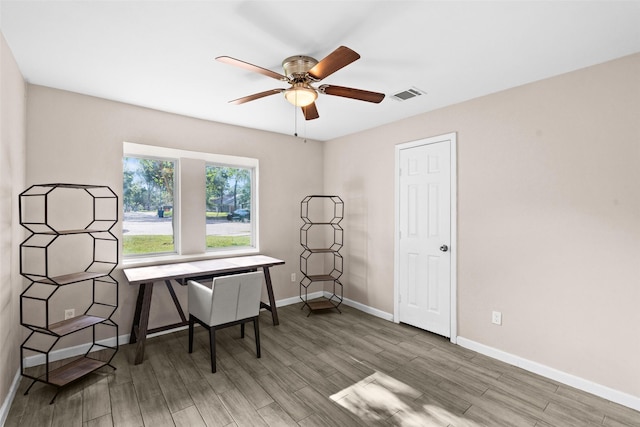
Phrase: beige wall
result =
(78, 139)
(12, 178)
(548, 218)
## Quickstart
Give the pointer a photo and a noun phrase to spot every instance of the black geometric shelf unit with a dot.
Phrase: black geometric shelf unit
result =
(321, 238)
(68, 258)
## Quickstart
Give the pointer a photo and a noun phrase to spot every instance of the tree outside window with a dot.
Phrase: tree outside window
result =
(229, 212)
(148, 195)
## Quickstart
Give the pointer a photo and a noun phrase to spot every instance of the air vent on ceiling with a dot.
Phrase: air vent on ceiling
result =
(408, 94)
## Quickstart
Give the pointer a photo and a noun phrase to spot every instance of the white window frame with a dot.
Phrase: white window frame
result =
(149, 151)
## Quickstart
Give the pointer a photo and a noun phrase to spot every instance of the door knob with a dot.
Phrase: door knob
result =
(444, 248)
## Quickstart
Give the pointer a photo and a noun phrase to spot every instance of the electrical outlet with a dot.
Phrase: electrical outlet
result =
(496, 318)
(293, 277)
(69, 313)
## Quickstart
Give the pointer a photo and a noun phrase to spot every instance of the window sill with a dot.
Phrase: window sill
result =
(174, 258)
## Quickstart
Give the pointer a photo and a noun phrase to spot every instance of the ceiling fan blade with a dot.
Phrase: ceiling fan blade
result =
(251, 67)
(337, 59)
(310, 112)
(255, 96)
(348, 92)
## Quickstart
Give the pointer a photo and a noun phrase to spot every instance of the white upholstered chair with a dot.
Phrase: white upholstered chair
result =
(232, 300)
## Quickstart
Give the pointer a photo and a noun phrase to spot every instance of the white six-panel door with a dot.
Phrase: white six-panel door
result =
(423, 247)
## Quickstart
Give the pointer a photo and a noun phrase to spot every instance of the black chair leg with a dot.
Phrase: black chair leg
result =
(191, 321)
(212, 344)
(241, 330)
(256, 332)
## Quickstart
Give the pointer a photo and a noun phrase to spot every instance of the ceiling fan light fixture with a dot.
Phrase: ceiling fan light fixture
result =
(301, 95)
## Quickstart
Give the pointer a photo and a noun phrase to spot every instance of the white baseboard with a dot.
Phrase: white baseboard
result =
(295, 300)
(67, 352)
(364, 308)
(554, 374)
(6, 405)
(346, 301)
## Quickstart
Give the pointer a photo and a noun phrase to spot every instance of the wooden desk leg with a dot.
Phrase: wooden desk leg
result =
(174, 297)
(143, 323)
(136, 316)
(272, 299)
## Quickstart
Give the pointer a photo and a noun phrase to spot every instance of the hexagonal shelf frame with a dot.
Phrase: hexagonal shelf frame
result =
(86, 216)
(321, 237)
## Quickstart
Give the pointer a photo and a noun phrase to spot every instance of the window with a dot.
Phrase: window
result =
(228, 201)
(147, 198)
(183, 204)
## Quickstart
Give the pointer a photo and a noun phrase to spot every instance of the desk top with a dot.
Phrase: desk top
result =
(183, 270)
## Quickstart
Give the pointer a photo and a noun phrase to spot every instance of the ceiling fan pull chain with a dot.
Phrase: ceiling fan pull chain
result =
(295, 121)
(304, 137)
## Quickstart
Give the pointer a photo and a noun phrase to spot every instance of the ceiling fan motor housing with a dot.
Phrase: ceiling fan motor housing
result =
(296, 67)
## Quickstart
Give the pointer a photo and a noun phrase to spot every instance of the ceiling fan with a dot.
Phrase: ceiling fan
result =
(301, 72)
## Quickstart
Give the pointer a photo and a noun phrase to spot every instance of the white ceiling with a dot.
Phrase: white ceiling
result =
(160, 54)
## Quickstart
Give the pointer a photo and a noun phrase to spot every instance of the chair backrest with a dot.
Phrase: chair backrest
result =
(235, 297)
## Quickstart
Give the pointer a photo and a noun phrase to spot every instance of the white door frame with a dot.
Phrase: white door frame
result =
(454, 227)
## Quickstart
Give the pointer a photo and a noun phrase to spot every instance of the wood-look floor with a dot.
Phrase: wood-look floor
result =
(328, 369)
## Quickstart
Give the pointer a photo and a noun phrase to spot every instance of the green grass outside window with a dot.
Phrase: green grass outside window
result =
(154, 244)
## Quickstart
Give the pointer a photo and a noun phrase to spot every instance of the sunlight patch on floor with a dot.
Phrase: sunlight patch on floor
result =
(380, 397)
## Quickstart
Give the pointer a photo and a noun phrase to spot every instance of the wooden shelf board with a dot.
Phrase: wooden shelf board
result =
(321, 278)
(321, 305)
(72, 278)
(74, 324)
(78, 231)
(72, 371)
